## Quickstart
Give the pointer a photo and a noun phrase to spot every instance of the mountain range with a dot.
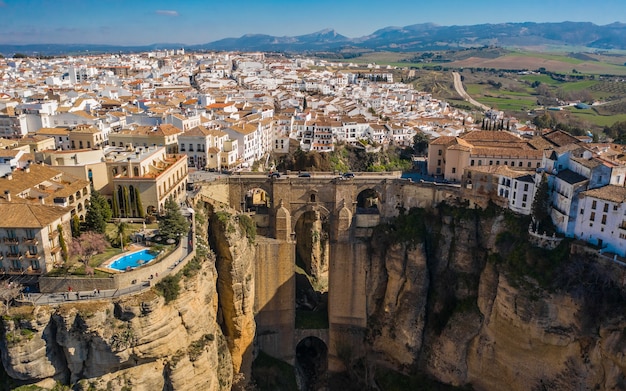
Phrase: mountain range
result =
(417, 37)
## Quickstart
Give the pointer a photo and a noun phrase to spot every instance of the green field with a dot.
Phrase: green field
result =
(596, 119)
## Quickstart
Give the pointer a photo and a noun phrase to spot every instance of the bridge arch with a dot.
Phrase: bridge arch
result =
(312, 363)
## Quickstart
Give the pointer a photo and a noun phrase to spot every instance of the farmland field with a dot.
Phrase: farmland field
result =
(494, 77)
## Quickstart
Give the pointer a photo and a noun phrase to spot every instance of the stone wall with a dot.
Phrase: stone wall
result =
(275, 297)
(116, 281)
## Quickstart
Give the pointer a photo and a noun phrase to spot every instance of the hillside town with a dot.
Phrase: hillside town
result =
(133, 126)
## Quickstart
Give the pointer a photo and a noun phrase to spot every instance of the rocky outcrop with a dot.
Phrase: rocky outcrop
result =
(448, 308)
(235, 285)
(139, 341)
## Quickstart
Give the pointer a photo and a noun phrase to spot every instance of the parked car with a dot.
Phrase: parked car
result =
(348, 175)
(304, 175)
(274, 175)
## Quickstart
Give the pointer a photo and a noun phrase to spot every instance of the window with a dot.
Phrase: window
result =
(182, 147)
(615, 207)
(603, 219)
(593, 216)
(454, 170)
(606, 207)
(528, 164)
(472, 162)
(497, 162)
(525, 186)
(439, 162)
(491, 162)
(593, 204)
(525, 198)
(519, 164)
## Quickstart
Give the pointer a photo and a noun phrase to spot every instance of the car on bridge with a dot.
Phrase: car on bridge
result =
(347, 175)
(274, 175)
(304, 175)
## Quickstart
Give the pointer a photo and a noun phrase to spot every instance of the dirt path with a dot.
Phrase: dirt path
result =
(458, 86)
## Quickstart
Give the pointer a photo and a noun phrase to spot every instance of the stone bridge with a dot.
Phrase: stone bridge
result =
(348, 209)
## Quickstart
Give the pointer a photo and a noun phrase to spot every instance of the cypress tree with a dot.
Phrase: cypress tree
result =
(126, 201)
(116, 208)
(140, 211)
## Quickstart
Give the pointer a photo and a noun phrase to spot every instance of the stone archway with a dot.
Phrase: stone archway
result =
(312, 364)
(312, 255)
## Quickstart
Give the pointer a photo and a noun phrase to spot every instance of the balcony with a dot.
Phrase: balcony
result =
(14, 255)
(28, 255)
(30, 241)
(11, 240)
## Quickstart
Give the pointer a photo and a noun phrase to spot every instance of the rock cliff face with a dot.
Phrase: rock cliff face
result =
(141, 342)
(138, 342)
(456, 294)
(235, 286)
(447, 306)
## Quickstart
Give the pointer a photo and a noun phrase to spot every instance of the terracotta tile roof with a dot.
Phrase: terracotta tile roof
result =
(561, 138)
(608, 193)
(195, 132)
(53, 131)
(27, 215)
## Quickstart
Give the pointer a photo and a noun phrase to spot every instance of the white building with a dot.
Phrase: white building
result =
(602, 218)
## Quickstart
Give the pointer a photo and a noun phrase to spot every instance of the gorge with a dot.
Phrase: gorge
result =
(405, 283)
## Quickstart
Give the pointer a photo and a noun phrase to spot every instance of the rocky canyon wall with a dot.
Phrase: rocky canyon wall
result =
(463, 299)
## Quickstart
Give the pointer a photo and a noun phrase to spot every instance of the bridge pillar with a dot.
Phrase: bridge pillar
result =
(282, 223)
(275, 292)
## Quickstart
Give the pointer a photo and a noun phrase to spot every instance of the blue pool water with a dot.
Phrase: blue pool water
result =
(132, 260)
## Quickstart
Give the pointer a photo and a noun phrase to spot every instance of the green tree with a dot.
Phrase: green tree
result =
(139, 204)
(98, 213)
(75, 226)
(540, 210)
(173, 224)
(121, 229)
(420, 143)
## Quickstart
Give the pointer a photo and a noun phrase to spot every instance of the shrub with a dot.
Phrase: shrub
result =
(248, 226)
(169, 288)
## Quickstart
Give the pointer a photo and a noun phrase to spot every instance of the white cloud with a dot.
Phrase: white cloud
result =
(163, 12)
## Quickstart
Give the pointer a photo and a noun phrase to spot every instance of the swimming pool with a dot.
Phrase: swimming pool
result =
(132, 260)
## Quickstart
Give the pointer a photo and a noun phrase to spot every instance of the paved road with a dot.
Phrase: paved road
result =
(65, 297)
(458, 86)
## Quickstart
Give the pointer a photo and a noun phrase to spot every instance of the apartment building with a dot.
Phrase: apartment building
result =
(31, 236)
(165, 135)
(448, 156)
(202, 146)
(142, 179)
(86, 137)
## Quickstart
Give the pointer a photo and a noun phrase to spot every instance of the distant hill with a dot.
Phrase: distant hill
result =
(417, 37)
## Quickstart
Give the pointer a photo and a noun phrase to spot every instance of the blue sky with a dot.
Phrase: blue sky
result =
(137, 22)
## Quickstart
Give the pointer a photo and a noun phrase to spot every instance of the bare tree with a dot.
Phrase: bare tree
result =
(87, 245)
(8, 294)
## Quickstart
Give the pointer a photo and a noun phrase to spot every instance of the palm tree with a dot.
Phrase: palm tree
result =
(121, 232)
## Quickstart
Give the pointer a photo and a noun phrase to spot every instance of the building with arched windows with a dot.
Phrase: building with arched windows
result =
(141, 179)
